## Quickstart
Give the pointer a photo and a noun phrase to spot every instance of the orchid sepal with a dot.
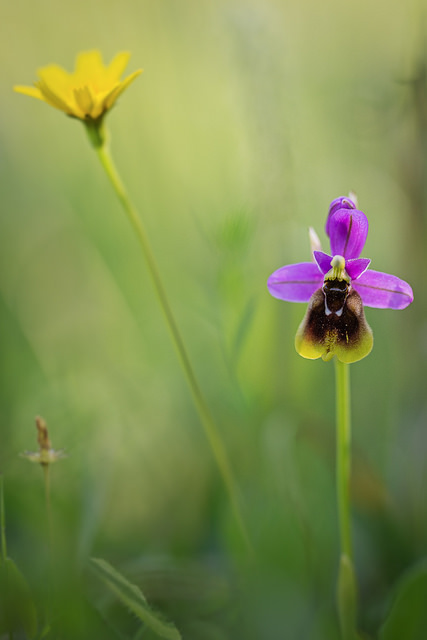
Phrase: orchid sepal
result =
(348, 230)
(383, 290)
(295, 282)
(343, 202)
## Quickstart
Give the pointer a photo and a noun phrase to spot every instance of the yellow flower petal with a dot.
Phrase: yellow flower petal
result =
(117, 66)
(34, 92)
(114, 94)
(53, 99)
(54, 84)
(56, 79)
(88, 65)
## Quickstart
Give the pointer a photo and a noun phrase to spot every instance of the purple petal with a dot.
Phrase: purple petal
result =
(383, 291)
(356, 267)
(323, 261)
(348, 229)
(339, 203)
(295, 282)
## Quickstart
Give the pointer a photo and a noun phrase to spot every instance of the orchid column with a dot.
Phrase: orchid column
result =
(337, 286)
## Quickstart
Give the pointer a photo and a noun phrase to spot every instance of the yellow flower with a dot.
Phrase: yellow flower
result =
(87, 93)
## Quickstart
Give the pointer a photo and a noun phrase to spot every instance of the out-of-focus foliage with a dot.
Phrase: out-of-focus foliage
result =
(249, 119)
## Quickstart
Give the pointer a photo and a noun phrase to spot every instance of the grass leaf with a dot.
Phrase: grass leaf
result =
(408, 615)
(132, 597)
(17, 609)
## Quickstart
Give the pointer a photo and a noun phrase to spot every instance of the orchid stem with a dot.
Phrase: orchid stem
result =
(343, 452)
(208, 423)
(346, 588)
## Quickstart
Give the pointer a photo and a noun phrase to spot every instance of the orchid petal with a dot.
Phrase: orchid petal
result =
(356, 267)
(383, 291)
(323, 261)
(295, 282)
(339, 203)
(348, 229)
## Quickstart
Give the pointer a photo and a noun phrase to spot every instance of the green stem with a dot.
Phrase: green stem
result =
(3, 549)
(46, 474)
(343, 453)
(208, 423)
(346, 589)
(50, 589)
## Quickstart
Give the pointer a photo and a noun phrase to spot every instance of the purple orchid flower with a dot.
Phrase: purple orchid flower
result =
(337, 286)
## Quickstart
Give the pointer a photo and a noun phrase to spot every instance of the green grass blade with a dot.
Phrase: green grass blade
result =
(132, 597)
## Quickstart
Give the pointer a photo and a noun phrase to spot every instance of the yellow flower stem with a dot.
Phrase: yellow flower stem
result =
(346, 588)
(208, 423)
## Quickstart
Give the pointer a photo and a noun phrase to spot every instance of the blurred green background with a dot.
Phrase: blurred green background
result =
(249, 118)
